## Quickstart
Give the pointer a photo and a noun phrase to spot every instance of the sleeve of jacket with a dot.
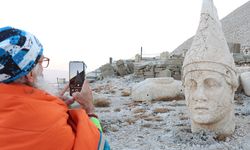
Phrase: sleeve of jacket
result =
(87, 135)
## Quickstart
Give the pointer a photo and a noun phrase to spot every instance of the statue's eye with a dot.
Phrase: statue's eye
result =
(211, 83)
(191, 84)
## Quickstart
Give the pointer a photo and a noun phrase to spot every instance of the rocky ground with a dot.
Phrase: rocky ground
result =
(155, 125)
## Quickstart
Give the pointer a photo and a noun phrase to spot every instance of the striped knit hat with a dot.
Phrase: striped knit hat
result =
(19, 53)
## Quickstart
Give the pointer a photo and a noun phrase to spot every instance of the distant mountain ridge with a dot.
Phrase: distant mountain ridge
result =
(236, 28)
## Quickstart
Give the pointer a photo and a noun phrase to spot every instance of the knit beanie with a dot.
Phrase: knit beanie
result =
(19, 53)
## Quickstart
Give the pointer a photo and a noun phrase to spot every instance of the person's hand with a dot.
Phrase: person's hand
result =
(67, 99)
(85, 98)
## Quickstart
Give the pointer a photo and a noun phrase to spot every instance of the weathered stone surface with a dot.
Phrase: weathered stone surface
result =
(137, 58)
(210, 77)
(107, 71)
(176, 75)
(164, 55)
(157, 70)
(240, 70)
(121, 68)
(130, 68)
(151, 73)
(245, 82)
(234, 47)
(148, 76)
(167, 68)
(157, 89)
(164, 73)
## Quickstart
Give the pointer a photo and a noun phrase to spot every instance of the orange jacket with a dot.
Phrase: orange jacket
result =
(31, 119)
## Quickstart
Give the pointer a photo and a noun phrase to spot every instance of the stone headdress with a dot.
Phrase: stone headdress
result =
(209, 50)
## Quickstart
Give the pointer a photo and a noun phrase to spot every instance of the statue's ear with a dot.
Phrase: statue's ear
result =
(234, 80)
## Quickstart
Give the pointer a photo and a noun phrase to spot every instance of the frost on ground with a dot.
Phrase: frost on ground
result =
(155, 125)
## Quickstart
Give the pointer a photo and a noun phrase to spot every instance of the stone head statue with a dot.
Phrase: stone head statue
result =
(209, 76)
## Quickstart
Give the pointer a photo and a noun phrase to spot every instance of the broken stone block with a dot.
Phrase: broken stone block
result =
(107, 71)
(164, 73)
(245, 82)
(157, 89)
(121, 68)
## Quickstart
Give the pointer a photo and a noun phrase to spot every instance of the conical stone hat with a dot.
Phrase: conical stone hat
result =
(209, 50)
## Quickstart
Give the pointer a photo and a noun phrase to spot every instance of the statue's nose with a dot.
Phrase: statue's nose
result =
(200, 95)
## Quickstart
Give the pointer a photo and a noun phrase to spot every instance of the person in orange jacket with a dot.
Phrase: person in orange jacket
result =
(32, 117)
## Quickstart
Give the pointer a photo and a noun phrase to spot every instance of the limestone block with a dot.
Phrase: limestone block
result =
(137, 58)
(245, 82)
(157, 89)
(234, 47)
(148, 68)
(242, 69)
(164, 55)
(164, 73)
(141, 76)
(140, 67)
(130, 68)
(121, 68)
(159, 69)
(246, 51)
(120, 62)
(151, 73)
(107, 71)
(148, 76)
(176, 77)
(161, 65)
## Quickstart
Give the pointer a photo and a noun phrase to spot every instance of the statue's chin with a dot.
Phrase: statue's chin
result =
(203, 119)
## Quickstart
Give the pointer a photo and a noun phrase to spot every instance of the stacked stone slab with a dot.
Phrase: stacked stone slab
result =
(161, 70)
(124, 67)
(118, 68)
(175, 66)
(154, 68)
(167, 68)
(144, 70)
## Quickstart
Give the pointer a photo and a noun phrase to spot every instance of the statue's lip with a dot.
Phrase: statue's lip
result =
(201, 108)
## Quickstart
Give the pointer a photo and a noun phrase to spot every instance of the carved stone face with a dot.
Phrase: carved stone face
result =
(208, 96)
